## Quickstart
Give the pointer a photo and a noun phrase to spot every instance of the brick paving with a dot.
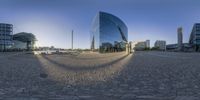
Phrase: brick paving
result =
(91, 76)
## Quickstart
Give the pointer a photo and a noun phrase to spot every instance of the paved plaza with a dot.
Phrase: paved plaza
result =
(91, 76)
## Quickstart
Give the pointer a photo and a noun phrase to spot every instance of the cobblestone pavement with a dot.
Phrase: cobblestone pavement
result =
(92, 76)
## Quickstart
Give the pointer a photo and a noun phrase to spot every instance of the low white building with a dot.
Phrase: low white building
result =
(140, 45)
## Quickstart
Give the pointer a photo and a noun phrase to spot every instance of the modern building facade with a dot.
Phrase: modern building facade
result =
(180, 38)
(186, 47)
(195, 37)
(160, 44)
(24, 40)
(108, 34)
(6, 32)
(19, 45)
(171, 47)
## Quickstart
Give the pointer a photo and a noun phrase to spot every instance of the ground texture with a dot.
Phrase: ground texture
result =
(92, 76)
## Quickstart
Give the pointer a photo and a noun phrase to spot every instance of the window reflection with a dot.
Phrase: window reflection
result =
(109, 33)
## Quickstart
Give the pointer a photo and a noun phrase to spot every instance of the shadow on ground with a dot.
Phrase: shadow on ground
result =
(80, 68)
(140, 76)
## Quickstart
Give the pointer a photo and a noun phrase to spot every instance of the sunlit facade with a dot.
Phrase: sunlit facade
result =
(108, 34)
(140, 45)
(195, 37)
(6, 32)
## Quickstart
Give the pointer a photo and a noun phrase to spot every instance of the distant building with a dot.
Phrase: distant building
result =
(160, 44)
(180, 38)
(171, 47)
(140, 45)
(186, 47)
(6, 32)
(108, 34)
(24, 40)
(148, 43)
(195, 37)
(19, 45)
(45, 48)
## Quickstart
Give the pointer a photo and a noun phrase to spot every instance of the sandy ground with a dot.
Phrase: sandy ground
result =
(93, 76)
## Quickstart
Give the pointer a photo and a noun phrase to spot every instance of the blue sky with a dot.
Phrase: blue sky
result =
(52, 20)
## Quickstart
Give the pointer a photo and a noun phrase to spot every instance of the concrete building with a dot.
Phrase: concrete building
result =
(195, 37)
(186, 47)
(180, 38)
(140, 45)
(108, 34)
(160, 44)
(6, 32)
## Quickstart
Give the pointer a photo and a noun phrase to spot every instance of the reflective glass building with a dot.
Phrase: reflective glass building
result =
(6, 32)
(108, 34)
(195, 37)
(24, 40)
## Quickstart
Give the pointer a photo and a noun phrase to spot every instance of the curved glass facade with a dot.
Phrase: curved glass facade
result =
(195, 37)
(108, 34)
(6, 32)
(24, 38)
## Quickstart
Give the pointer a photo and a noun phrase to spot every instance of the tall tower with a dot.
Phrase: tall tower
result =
(180, 38)
(72, 38)
(148, 43)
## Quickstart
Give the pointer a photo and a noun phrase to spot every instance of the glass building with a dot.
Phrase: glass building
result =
(108, 34)
(195, 37)
(24, 40)
(6, 32)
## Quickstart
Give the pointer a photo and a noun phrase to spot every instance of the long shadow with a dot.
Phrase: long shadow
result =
(85, 58)
(75, 68)
(44, 88)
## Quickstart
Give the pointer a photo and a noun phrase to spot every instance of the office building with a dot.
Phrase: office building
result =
(6, 31)
(24, 40)
(108, 34)
(160, 44)
(195, 37)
